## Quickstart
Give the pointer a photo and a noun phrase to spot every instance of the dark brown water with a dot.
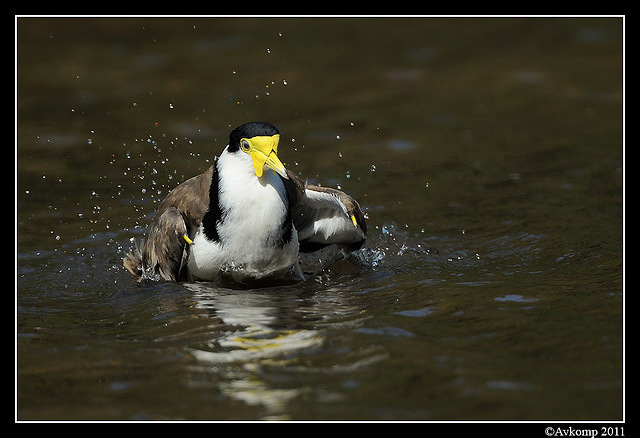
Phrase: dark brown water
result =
(487, 153)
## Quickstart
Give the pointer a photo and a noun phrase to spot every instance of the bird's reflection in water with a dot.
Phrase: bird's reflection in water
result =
(260, 336)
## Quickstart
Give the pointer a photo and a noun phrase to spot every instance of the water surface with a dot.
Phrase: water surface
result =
(487, 154)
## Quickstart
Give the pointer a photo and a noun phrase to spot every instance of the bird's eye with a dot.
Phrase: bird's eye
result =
(244, 144)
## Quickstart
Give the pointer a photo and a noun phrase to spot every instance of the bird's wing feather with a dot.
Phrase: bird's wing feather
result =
(163, 249)
(324, 216)
(191, 198)
(179, 215)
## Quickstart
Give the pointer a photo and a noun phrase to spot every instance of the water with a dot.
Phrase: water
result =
(487, 154)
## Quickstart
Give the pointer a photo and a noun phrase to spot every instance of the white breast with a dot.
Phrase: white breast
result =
(254, 209)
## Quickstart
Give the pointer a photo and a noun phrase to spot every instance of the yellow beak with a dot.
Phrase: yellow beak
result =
(264, 152)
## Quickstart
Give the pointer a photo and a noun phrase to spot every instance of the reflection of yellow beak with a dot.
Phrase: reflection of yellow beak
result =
(264, 152)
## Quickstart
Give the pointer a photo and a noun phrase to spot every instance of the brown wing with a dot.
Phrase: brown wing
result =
(191, 198)
(179, 215)
(163, 249)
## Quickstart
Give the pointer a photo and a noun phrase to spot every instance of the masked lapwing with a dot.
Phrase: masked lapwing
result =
(247, 216)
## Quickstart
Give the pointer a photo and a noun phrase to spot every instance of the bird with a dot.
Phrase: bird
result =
(247, 218)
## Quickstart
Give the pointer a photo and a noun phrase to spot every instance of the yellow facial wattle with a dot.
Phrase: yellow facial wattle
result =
(263, 150)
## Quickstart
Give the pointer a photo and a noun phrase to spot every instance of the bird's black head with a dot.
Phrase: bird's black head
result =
(250, 130)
